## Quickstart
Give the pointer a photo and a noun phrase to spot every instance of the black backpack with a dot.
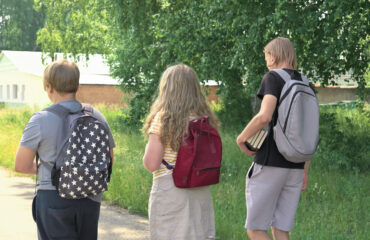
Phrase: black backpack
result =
(83, 165)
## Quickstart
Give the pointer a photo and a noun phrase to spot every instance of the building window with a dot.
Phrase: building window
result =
(7, 92)
(15, 91)
(23, 92)
(1, 92)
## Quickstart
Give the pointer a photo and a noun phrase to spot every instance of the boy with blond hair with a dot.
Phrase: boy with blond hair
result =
(273, 184)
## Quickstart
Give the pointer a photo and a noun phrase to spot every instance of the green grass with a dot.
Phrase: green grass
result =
(11, 128)
(130, 183)
(335, 205)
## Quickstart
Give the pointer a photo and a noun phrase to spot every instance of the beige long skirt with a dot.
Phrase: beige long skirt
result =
(180, 213)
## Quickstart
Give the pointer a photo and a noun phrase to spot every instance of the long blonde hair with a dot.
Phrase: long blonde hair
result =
(283, 51)
(180, 97)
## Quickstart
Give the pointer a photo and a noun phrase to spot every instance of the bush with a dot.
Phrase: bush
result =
(344, 138)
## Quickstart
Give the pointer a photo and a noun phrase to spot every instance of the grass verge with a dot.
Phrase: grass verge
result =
(333, 207)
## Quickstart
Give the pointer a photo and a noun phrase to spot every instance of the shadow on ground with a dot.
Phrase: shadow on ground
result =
(116, 223)
(16, 194)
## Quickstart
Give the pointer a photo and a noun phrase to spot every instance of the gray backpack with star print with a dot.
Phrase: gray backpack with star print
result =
(83, 165)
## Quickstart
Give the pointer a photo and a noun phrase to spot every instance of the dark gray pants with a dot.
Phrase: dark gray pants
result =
(65, 219)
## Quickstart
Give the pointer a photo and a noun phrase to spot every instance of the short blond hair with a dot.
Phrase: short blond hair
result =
(283, 51)
(63, 76)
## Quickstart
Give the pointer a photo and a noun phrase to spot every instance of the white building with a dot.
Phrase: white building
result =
(21, 79)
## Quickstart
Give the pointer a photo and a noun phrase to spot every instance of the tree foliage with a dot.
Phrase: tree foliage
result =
(76, 26)
(19, 23)
(222, 40)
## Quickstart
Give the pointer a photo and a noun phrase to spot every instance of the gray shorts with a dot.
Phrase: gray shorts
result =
(272, 196)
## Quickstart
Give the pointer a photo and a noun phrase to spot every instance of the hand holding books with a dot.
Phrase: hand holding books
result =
(255, 142)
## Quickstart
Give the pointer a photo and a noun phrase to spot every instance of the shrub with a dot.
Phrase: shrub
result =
(344, 138)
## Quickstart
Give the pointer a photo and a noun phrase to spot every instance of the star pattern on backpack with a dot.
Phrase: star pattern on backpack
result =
(84, 172)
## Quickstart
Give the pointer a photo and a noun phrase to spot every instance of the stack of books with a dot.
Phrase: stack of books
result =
(255, 142)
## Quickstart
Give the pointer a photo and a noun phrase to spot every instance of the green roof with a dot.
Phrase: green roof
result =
(6, 65)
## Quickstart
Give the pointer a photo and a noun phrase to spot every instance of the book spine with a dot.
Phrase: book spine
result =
(261, 139)
(256, 140)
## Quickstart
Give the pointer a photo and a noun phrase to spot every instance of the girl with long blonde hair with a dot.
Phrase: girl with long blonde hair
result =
(176, 213)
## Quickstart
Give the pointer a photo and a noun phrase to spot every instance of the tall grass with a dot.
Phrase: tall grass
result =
(12, 122)
(334, 206)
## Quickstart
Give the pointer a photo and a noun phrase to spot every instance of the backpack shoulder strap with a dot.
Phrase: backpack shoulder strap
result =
(59, 110)
(168, 166)
(305, 79)
(283, 74)
(63, 112)
(87, 108)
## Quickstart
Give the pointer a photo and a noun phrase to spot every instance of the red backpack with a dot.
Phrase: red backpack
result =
(199, 158)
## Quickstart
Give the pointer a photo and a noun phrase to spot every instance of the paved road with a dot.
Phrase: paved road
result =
(16, 222)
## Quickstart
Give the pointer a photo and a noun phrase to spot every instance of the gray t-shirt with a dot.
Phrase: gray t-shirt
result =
(40, 135)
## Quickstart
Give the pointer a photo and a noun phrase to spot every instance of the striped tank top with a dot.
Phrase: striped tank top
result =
(169, 156)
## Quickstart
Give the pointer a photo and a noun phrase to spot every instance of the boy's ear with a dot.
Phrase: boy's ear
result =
(50, 89)
(272, 57)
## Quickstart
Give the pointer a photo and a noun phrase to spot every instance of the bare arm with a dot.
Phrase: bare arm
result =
(154, 152)
(262, 118)
(25, 161)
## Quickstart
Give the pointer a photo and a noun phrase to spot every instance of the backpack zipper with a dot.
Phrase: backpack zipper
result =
(289, 89)
(207, 170)
(290, 106)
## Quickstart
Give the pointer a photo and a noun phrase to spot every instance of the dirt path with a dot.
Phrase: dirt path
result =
(16, 221)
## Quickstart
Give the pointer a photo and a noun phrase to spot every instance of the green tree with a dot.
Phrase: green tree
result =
(77, 26)
(222, 40)
(19, 23)
(331, 37)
